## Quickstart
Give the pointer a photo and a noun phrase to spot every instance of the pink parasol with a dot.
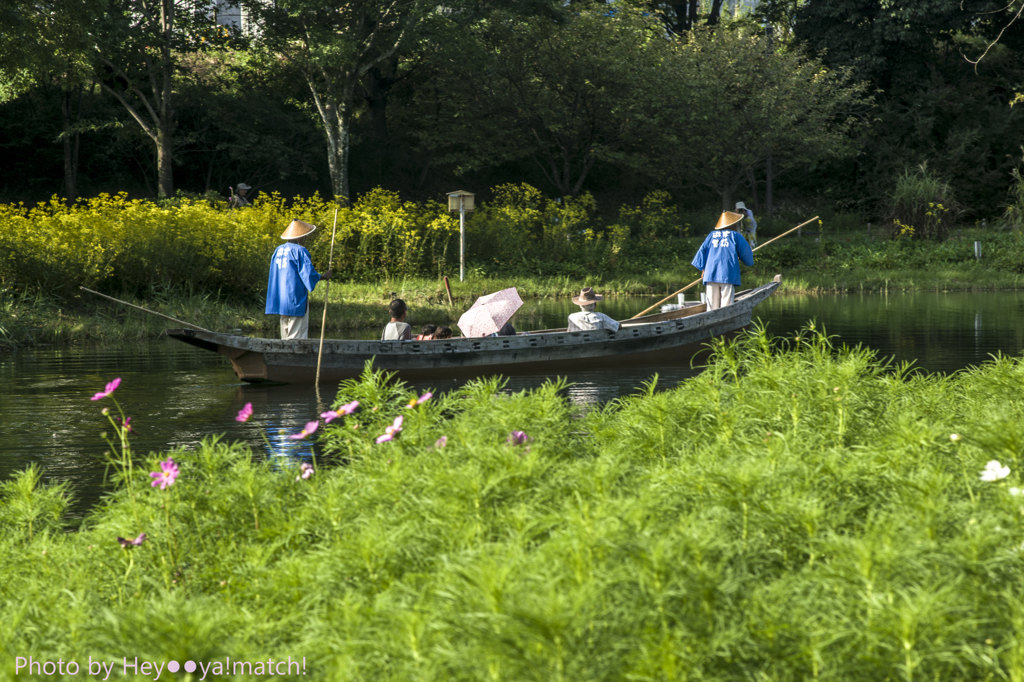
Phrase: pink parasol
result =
(490, 313)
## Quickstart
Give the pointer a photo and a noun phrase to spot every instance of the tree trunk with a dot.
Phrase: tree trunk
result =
(165, 126)
(716, 12)
(70, 147)
(378, 87)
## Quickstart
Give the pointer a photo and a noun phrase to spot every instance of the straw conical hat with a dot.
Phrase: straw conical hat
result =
(728, 218)
(297, 229)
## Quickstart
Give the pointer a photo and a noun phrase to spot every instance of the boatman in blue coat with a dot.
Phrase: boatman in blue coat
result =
(719, 259)
(292, 277)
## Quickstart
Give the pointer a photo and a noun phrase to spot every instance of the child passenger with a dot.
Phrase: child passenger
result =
(443, 333)
(427, 333)
(397, 329)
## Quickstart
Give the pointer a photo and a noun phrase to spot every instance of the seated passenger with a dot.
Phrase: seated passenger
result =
(443, 333)
(507, 330)
(427, 333)
(397, 329)
(587, 319)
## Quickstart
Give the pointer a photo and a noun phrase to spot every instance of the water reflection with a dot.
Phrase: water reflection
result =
(178, 395)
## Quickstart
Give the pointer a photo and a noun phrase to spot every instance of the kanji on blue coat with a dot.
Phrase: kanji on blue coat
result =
(292, 277)
(720, 255)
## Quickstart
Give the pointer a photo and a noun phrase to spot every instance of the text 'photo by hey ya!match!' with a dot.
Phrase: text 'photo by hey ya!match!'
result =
(108, 669)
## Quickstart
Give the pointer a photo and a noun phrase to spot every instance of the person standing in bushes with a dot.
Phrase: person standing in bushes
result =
(749, 224)
(292, 278)
(238, 199)
(719, 259)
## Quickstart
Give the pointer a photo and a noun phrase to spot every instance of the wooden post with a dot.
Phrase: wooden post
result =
(327, 296)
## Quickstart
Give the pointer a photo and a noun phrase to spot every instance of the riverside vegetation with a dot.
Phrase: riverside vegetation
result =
(198, 261)
(794, 512)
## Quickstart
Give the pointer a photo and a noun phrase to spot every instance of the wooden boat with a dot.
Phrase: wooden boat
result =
(673, 336)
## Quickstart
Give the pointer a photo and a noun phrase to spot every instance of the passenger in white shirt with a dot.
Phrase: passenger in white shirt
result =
(587, 319)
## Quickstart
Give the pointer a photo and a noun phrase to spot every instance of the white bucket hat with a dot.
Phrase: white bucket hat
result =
(242, 185)
(740, 204)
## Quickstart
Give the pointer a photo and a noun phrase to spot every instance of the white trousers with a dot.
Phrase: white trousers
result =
(719, 295)
(295, 327)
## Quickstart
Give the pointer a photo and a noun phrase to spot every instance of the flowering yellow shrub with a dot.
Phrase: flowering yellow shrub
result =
(131, 245)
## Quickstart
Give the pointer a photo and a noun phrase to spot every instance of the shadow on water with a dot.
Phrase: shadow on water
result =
(177, 395)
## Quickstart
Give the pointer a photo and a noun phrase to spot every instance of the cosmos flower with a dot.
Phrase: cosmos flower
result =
(309, 429)
(518, 438)
(132, 543)
(345, 409)
(307, 471)
(419, 401)
(441, 442)
(111, 387)
(126, 424)
(994, 471)
(244, 413)
(167, 474)
(391, 431)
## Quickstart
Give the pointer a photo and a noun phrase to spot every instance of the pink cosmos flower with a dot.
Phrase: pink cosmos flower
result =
(132, 543)
(167, 474)
(391, 431)
(111, 387)
(419, 401)
(345, 409)
(307, 471)
(441, 442)
(518, 438)
(309, 429)
(244, 413)
(126, 424)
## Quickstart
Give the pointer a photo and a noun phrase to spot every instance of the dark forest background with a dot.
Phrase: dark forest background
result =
(817, 103)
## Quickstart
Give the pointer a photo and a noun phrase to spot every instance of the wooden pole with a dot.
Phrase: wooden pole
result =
(448, 288)
(693, 284)
(147, 310)
(327, 297)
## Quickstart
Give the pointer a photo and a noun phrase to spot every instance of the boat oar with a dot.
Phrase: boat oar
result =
(695, 283)
(327, 296)
(147, 310)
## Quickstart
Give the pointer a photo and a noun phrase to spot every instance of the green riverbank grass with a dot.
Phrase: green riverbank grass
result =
(33, 318)
(793, 513)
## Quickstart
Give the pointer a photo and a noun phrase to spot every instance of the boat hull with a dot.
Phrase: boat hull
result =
(637, 342)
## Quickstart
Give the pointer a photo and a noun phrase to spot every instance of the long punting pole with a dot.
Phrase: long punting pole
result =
(147, 310)
(695, 283)
(327, 297)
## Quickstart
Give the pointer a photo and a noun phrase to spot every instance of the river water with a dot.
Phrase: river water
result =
(177, 395)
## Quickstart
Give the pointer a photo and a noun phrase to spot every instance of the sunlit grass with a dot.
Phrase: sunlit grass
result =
(795, 512)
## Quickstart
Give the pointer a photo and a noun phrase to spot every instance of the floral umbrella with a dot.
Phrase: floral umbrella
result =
(490, 313)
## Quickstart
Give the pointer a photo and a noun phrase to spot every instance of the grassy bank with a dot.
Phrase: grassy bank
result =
(789, 514)
(29, 319)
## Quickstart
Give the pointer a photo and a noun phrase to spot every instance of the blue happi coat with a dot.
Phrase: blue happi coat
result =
(292, 277)
(720, 255)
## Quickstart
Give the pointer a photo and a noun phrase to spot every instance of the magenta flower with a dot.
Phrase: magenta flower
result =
(126, 424)
(244, 413)
(419, 401)
(441, 442)
(307, 471)
(132, 543)
(331, 415)
(309, 429)
(391, 431)
(111, 387)
(167, 474)
(518, 438)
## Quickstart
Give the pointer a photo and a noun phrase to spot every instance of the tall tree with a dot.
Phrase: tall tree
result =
(733, 103)
(565, 96)
(333, 45)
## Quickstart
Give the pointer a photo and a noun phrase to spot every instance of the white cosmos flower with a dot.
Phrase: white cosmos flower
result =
(994, 471)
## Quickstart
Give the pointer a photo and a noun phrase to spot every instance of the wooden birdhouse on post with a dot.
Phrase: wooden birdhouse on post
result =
(461, 201)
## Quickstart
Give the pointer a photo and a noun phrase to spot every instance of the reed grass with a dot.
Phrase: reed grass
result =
(795, 512)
